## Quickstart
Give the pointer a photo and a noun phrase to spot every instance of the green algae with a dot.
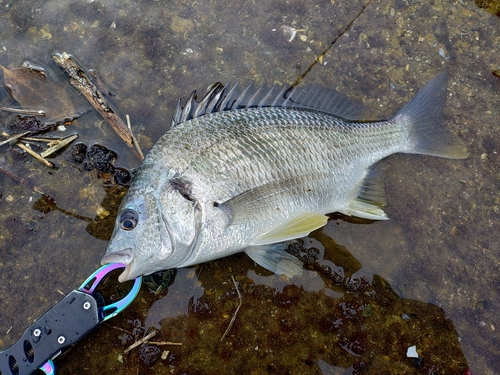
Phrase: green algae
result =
(286, 331)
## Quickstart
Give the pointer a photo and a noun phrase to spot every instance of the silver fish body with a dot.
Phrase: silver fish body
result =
(251, 178)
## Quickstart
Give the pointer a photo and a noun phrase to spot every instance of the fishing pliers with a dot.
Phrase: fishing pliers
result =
(63, 325)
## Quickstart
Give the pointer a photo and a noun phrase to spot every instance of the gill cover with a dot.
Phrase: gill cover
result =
(139, 237)
(155, 230)
(181, 214)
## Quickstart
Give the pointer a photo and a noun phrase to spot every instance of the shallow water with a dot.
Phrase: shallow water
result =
(429, 277)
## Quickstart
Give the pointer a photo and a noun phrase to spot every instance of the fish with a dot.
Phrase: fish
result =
(252, 171)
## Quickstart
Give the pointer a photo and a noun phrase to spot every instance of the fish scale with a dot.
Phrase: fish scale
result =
(276, 141)
(235, 176)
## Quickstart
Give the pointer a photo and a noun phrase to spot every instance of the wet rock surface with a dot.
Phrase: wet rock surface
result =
(437, 260)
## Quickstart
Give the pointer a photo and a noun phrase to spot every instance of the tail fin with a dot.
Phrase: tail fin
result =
(422, 115)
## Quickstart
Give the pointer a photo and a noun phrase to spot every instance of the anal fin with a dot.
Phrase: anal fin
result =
(364, 209)
(371, 197)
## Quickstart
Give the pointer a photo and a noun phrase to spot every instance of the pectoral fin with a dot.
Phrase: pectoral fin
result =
(274, 258)
(267, 198)
(250, 205)
(297, 227)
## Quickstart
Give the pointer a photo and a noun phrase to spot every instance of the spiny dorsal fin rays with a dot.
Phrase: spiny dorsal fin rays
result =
(176, 117)
(221, 98)
(254, 100)
(225, 100)
(186, 110)
(239, 101)
(278, 101)
(289, 94)
(193, 108)
(212, 96)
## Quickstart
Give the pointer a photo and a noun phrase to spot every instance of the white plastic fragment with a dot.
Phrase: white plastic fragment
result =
(164, 355)
(289, 32)
(411, 352)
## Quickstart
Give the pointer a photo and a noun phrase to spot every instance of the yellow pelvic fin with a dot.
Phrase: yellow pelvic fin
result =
(297, 227)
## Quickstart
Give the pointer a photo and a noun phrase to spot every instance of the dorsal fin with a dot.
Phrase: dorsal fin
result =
(220, 98)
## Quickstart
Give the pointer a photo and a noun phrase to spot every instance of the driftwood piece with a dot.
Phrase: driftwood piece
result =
(79, 79)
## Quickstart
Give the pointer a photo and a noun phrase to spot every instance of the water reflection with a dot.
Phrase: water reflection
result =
(329, 321)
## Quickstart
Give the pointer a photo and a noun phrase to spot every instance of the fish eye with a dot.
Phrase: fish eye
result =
(128, 219)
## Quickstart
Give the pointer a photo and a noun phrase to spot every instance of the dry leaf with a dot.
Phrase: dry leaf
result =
(32, 89)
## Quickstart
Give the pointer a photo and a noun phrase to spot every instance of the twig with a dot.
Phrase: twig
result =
(35, 155)
(13, 138)
(236, 312)
(58, 145)
(120, 329)
(164, 343)
(36, 112)
(21, 180)
(136, 144)
(141, 341)
(48, 140)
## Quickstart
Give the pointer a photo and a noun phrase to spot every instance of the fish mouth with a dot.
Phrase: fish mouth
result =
(124, 256)
(126, 274)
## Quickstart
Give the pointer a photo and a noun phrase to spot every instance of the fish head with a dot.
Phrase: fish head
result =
(152, 233)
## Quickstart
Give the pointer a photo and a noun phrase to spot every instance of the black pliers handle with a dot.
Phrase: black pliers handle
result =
(62, 326)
